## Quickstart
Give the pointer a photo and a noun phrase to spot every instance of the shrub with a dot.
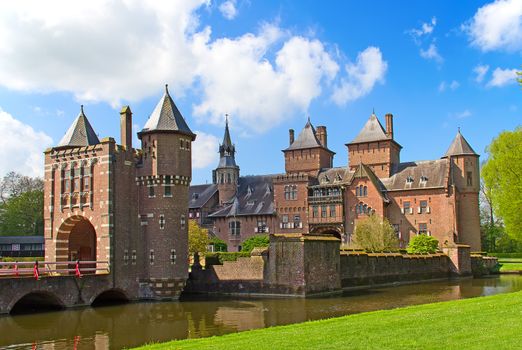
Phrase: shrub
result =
(423, 244)
(219, 244)
(255, 241)
(507, 255)
(375, 234)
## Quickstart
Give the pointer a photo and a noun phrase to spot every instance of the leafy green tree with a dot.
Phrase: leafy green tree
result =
(197, 238)
(255, 241)
(219, 244)
(375, 234)
(502, 175)
(14, 184)
(422, 244)
(22, 215)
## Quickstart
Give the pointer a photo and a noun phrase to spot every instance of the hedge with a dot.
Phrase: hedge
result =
(217, 258)
(507, 255)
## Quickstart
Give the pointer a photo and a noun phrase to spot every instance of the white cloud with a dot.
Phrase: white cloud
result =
(502, 77)
(480, 71)
(496, 26)
(431, 53)
(464, 114)
(112, 51)
(24, 157)
(453, 85)
(237, 78)
(204, 150)
(362, 75)
(425, 29)
(228, 9)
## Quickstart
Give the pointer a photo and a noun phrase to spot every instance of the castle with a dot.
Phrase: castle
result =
(437, 197)
(110, 202)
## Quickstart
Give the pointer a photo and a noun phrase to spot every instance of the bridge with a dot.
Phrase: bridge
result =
(44, 285)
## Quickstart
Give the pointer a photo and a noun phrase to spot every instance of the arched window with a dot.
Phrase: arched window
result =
(365, 209)
(229, 178)
(365, 191)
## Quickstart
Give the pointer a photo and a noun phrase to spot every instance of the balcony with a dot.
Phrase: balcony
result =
(325, 199)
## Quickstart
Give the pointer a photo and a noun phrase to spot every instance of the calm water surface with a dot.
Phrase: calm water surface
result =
(116, 327)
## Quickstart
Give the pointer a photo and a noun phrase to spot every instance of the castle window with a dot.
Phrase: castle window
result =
(76, 185)
(290, 192)
(365, 191)
(181, 144)
(323, 211)
(406, 207)
(151, 257)
(86, 183)
(332, 211)
(168, 186)
(133, 257)
(172, 256)
(365, 209)
(261, 225)
(182, 222)
(297, 221)
(67, 185)
(469, 178)
(409, 179)
(234, 228)
(125, 257)
(423, 229)
(229, 178)
(315, 211)
(423, 208)
(162, 222)
(151, 189)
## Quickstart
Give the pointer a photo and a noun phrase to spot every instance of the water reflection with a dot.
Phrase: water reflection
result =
(131, 325)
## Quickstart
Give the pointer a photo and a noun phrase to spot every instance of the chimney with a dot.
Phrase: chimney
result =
(389, 125)
(291, 134)
(322, 136)
(126, 127)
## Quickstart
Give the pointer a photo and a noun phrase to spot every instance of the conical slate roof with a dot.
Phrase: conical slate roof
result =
(80, 133)
(459, 147)
(166, 117)
(306, 138)
(372, 131)
(227, 150)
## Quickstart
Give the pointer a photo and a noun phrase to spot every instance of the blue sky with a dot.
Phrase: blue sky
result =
(435, 65)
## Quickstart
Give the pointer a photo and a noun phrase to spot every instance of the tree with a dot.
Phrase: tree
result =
(197, 238)
(14, 184)
(219, 244)
(375, 234)
(501, 174)
(255, 241)
(22, 215)
(422, 244)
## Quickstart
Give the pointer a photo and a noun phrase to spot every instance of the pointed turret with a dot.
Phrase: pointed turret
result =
(226, 175)
(80, 133)
(314, 142)
(375, 147)
(460, 147)
(166, 118)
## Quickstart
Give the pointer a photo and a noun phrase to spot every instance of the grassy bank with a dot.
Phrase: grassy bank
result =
(478, 323)
(510, 264)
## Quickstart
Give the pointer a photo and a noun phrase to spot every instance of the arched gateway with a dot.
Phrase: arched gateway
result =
(76, 240)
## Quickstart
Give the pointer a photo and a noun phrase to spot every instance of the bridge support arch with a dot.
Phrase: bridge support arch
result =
(35, 301)
(110, 296)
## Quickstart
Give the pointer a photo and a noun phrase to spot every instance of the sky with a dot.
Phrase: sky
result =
(436, 66)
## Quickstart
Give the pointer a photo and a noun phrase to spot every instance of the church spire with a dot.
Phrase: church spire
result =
(227, 150)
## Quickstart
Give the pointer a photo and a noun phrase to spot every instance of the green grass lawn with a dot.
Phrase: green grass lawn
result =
(511, 267)
(480, 323)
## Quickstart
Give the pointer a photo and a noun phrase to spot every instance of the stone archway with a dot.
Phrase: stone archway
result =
(328, 230)
(76, 240)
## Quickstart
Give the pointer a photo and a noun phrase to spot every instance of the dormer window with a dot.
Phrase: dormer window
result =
(195, 196)
(250, 203)
(409, 179)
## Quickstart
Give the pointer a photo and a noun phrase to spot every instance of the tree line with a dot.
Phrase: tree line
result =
(21, 205)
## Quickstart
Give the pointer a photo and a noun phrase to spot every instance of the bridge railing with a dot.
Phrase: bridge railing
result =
(38, 269)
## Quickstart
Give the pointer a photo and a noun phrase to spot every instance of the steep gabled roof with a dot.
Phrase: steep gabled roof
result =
(307, 139)
(255, 196)
(166, 117)
(365, 171)
(371, 131)
(199, 195)
(419, 175)
(80, 133)
(459, 147)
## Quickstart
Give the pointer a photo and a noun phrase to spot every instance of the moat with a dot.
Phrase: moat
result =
(128, 325)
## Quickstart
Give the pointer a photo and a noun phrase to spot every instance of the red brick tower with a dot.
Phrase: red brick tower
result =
(465, 179)
(163, 181)
(375, 147)
(226, 175)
